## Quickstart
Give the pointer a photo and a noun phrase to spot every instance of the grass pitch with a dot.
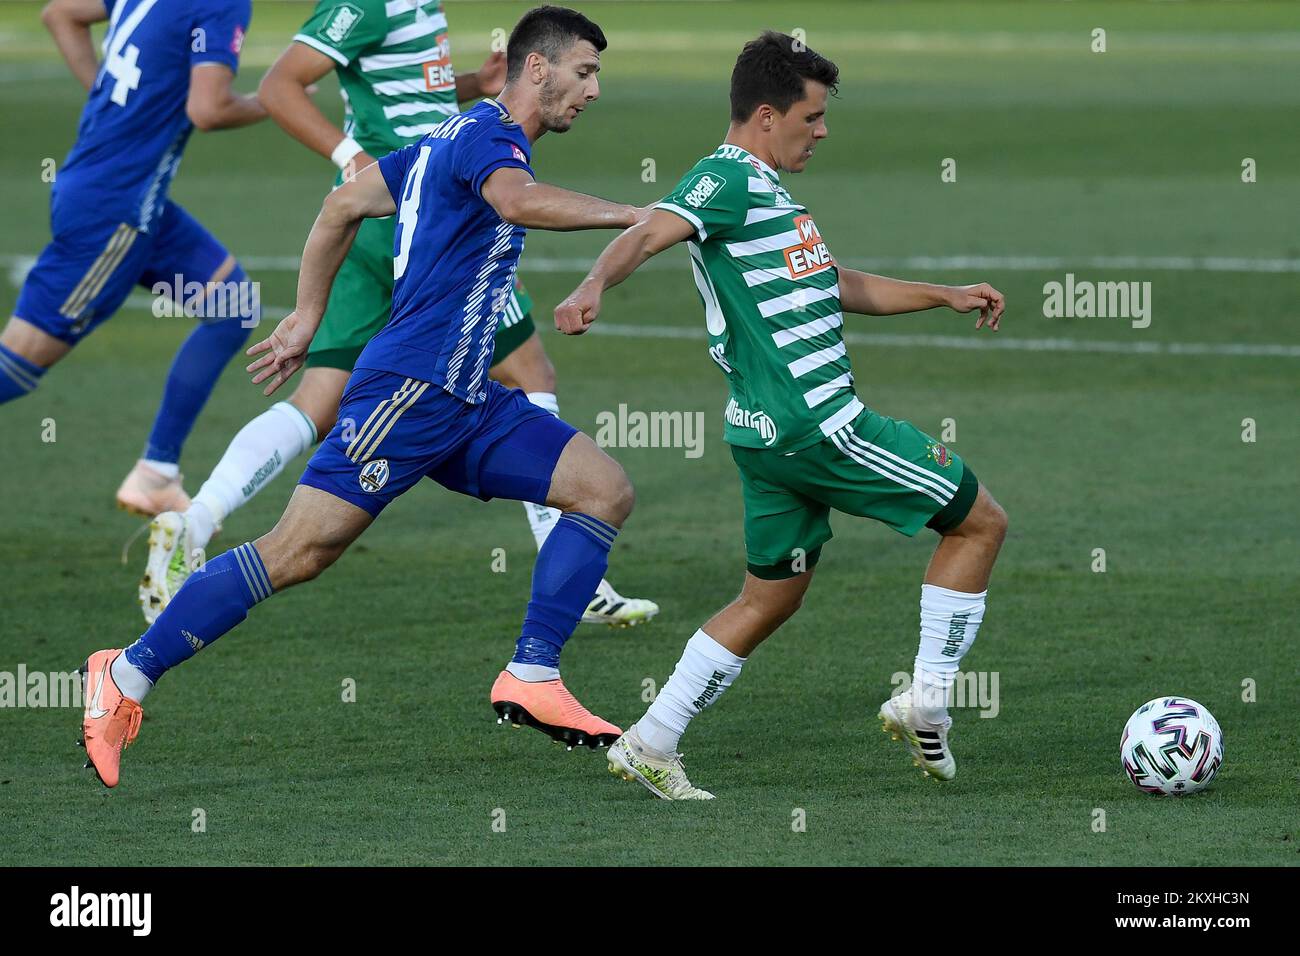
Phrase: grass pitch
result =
(1124, 165)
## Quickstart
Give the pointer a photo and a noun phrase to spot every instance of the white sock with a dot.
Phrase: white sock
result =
(950, 620)
(532, 673)
(541, 519)
(168, 469)
(256, 455)
(130, 680)
(705, 670)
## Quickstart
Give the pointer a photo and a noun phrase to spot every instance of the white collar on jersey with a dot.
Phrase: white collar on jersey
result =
(758, 163)
(505, 113)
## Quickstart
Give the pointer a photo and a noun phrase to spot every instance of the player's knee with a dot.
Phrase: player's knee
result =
(321, 412)
(617, 495)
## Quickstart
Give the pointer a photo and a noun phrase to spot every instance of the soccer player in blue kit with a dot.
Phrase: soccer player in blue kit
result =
(464, 196)
(167, 68)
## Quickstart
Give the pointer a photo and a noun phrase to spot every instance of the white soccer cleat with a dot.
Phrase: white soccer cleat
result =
(169, 563)
(927, 742)
(662, 774)
(611, 608)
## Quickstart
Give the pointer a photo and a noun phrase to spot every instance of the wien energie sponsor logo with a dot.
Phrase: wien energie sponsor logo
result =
(438, 73)
(810, 256)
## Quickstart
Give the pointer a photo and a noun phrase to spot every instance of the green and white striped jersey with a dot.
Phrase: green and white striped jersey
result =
(394, 67)
(771, 303)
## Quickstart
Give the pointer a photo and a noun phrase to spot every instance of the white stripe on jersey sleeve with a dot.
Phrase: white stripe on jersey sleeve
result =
(738, 250)
(690, 217)
(315, 44)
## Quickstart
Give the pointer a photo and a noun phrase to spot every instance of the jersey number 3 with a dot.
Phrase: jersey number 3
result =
(409, 212)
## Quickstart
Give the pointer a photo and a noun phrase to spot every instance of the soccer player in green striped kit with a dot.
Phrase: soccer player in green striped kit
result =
(804, 444)
(393, 62)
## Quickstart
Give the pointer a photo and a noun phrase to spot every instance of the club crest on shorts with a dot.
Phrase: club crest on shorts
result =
(374, 476)
(940, 454)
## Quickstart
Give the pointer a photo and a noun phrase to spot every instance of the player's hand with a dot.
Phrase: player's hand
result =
(575, 314)
(357, 163)
(492, 74)
(285, 351)
(982, 296)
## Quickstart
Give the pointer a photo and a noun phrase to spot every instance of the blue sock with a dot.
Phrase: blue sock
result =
(17, 375)
(569, 568)
(213, 601)
(198, 364)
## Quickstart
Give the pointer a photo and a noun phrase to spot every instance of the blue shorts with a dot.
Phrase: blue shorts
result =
(393, 430)
(85, 274)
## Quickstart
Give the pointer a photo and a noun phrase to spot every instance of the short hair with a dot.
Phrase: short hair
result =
(550, 31)
(772, 70)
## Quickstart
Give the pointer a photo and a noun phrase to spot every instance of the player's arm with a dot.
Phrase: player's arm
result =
(520, 199)
(869, 294)
(488, 81)
(285, 91)
(365, 196)
(69, 24)
(213, 104)
(620, 259)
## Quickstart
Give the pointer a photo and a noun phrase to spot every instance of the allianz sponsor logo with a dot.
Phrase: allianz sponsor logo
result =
(75, 908)
(626, 428)
(23, 688)
(761, 422)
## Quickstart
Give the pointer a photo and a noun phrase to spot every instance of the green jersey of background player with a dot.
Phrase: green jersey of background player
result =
(803, 442)
(393, 63)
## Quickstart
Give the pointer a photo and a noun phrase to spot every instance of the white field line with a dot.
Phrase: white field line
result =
(18, 264)
(974, 341)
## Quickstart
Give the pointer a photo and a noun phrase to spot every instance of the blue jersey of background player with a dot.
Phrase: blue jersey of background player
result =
(418, 403)
(167, 67)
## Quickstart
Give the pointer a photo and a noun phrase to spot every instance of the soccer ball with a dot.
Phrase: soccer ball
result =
(1171, 745)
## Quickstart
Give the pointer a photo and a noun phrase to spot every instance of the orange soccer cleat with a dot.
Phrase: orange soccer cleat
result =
(110, 721)
(548, 706)
(147, 493)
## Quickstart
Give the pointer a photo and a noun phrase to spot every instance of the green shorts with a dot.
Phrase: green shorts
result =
(874, 467)
(362, 298)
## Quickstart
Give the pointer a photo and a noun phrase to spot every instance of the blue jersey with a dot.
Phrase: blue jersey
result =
(134, 126)
(454, 258)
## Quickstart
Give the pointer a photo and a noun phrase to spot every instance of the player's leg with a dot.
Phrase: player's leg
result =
(890, 470)
(521, 452)
(358, 308)
(80, 279)
(520, 361)
(784, 534)
(189, 266)
(341, 492)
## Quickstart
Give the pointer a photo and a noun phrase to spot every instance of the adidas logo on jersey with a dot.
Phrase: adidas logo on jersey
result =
(810, 255)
